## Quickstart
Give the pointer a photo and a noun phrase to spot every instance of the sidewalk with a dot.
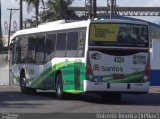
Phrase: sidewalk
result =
(155, 89)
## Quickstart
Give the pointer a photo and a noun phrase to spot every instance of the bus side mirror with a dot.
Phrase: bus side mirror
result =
(11, 46)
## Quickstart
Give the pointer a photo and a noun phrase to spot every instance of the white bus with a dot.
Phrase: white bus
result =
(99, 56)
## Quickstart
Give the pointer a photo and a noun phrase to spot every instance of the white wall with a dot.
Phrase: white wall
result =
(155, 54)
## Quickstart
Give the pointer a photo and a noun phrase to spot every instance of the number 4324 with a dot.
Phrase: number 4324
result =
(119, 59)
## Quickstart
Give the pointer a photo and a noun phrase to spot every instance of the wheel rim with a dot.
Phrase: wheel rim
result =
(59, 90)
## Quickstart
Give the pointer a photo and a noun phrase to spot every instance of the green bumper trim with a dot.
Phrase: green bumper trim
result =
(73, 91)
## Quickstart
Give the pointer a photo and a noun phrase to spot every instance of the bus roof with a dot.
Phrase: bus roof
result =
(52, 26)
(70, 24)
(119, 21)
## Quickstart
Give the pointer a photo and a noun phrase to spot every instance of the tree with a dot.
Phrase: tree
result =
(52, 12)
(29, 23)
(54, 8)
(34, 4)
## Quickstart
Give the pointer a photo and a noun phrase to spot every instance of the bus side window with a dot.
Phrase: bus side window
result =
(21, 49)
(40, 49)
(61, 45)
(50, 47)
(18, 51)
(31, 49)
(81, 43)
(72, 44)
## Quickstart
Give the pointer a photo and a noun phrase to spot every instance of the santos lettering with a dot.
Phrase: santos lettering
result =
(112, 69)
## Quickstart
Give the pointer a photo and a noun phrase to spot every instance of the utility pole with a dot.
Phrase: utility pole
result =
(10, 19)
(9, 33)
(21, 15)
(112, 5)
(88, 7)
(94, 8)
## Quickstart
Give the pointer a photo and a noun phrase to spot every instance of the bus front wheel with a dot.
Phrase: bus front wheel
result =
(23, 87)
(59, 87)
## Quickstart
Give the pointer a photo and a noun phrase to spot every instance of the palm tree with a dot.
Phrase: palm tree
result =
(57, 9)
(35, 4)
(53, 12)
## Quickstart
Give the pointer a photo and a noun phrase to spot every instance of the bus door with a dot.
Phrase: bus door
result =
(77, 75)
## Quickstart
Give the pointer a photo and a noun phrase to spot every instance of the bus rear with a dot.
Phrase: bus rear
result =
(118, 57)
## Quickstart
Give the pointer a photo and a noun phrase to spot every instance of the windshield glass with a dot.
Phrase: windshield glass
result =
(129, 35)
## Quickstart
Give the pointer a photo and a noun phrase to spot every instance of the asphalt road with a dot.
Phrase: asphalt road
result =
(12, 101)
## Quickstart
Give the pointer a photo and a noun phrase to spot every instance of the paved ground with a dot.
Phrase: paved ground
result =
(45, 105)
(11, 100)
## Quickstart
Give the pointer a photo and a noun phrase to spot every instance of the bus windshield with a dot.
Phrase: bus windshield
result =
(114, 34)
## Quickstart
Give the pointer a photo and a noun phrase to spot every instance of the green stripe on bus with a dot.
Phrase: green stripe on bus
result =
(37, 81)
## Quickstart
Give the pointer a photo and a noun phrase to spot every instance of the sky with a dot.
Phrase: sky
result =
(122, 3)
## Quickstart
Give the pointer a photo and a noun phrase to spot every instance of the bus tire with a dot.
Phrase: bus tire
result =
(59, 87)
(23, 87)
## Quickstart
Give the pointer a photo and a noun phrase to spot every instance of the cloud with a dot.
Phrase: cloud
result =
(15, 3)
(139, 3)
(153, 3)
